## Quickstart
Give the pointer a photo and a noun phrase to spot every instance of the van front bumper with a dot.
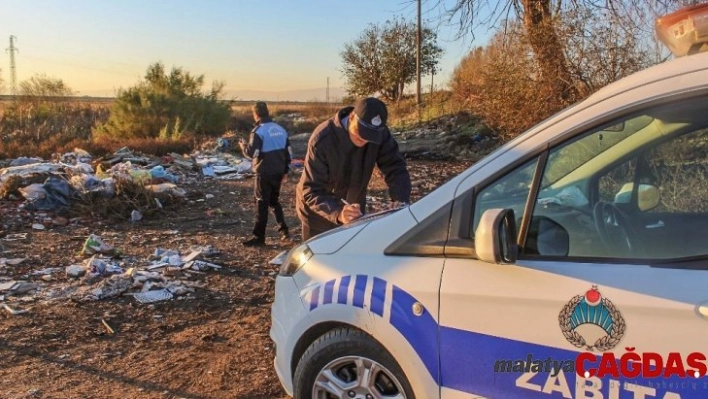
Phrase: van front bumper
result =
(286, 312)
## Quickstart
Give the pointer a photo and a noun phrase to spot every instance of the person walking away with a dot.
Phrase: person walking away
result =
(341, 155)
(269, 149)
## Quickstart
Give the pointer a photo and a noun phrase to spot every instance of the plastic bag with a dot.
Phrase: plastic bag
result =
(33, 192)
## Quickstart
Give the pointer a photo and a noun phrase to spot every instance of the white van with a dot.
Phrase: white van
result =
(570, 263)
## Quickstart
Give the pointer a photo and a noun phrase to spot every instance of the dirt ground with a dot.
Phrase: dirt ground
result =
(212, 344)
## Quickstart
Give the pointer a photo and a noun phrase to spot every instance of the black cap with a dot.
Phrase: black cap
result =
(372, 115)
(261, 109)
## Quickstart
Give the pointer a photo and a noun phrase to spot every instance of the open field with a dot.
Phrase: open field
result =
(214, 344)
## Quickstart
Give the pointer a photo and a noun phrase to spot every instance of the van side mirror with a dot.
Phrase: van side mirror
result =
(495, 238)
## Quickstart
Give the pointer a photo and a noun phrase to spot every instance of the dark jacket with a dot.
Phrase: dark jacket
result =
(269, 147)
(336, 169)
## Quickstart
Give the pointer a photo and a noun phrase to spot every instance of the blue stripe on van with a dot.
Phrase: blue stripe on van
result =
(359, 287)
(420, 331)
(314, 298)
(328, 288)
(378, 294)
(343, 289)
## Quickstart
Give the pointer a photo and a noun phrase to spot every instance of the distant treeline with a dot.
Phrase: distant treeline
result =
(108, 100)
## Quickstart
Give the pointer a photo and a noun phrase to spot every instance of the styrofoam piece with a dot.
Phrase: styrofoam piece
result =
(153, 296)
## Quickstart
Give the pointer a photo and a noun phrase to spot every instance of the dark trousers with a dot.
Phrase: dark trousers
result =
(313, 227)
(267, 193)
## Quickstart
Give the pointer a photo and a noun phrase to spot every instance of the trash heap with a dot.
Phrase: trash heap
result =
(107, 273)
(223, 166)
(124, 186)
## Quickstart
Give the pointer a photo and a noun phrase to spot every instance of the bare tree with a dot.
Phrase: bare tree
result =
(542, 21)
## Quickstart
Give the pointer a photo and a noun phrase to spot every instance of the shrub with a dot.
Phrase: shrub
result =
(167, 106)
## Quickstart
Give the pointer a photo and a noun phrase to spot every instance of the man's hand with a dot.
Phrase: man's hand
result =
(397, 204)
(242, 143)
(350, 213)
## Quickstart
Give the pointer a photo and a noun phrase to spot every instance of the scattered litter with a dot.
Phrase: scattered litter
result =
(38, 226)
(111, 287)
(135, 216)
(94, 245)
(101, 266)
(110, 330)
(8, 285)
(279, 259)
(157, 265)
(201, 265)
(45, 272)
(15, 237)
(75, 271)
(14, 312)
(152, 296)
(192, 256)
(22, 287)
(11, 262)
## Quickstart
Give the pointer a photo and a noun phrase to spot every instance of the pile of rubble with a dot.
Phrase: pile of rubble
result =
(107, 273)
(125, 186)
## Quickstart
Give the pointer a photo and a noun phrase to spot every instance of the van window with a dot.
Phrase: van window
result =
(636, 193)
(510, 191)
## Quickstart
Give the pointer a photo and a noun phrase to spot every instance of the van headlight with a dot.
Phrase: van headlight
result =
(296, 258)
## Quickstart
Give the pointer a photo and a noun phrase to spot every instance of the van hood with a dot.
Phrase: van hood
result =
(332, 241)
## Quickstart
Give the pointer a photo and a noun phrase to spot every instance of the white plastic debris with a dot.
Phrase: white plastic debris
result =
(75, 271)
(14, 312)
(135, 215)
(153, 296)
(33, 192)
(94, 244)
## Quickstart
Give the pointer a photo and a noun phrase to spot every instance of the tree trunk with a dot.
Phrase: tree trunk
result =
(432, 76)
(538, 22)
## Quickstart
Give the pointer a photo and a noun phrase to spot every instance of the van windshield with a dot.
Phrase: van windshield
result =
(577, 153)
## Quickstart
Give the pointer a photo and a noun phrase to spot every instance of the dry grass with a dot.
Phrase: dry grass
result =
(64, 126)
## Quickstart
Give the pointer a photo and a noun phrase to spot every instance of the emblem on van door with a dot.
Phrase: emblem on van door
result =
(591, 318)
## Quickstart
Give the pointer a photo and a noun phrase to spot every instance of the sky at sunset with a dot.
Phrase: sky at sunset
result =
(262, 49)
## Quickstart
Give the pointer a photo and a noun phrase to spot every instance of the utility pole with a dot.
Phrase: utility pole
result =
(327, 96)
(13, 75)
(417, 63)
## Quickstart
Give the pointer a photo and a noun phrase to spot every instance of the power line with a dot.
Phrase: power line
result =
(13, 73)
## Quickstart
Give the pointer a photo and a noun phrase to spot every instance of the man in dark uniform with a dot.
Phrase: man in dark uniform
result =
(269, 148)
(340, 160)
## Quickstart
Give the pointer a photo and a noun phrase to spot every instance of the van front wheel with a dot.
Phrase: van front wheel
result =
(347, 363)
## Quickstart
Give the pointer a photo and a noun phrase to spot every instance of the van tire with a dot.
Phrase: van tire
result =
(340, 343)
